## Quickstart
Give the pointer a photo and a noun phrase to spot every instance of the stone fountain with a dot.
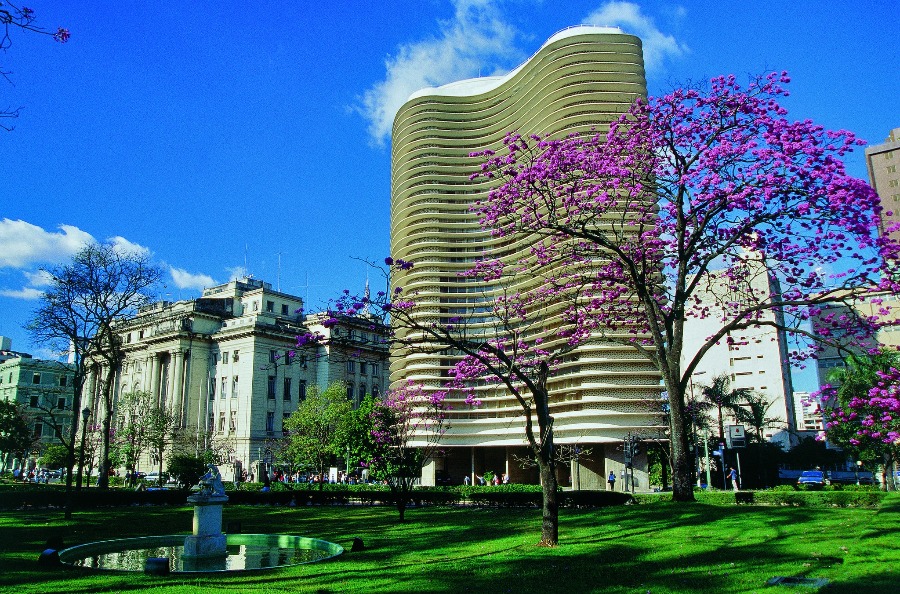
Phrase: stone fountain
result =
(206, 549)
(207, 543)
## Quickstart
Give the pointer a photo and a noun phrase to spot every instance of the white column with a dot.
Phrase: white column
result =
(154, 377)
(178, 385)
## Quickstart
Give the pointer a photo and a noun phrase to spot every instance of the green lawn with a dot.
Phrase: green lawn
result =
(653, 548)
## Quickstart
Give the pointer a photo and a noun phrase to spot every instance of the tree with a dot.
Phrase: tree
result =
(753, 412)
(315, 426)
(355, 433)
(54, 456)
(14, 17)
(719, 398)
(695, 189)
(102, 286)
(16, 437)
(187, 469)
(500, 345)
(131, 437)
(407, 426)
(161, 425)
(863, 409)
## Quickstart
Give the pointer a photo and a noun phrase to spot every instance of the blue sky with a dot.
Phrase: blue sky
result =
(224, 137)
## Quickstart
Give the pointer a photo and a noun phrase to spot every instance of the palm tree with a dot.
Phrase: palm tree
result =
(753, 413)
(717, 396)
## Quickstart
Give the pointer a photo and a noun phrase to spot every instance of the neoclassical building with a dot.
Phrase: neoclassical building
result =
(219, 363)
(581, 79)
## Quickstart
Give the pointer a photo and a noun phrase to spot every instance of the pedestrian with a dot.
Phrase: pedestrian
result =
(733, 477)
(467, 481)
(611, 479)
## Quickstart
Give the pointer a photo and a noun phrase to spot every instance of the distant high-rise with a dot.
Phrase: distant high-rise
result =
(883, 163)
(581, 79)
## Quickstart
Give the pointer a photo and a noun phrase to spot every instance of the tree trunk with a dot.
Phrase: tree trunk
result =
(103, 471)
(550, 505)
(682, 487)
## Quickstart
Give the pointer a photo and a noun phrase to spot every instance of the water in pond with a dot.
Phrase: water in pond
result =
(243, 552)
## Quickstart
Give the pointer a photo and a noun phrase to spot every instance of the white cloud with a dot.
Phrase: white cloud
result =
(23, 244)
(237, 273)
(658, 46)
(187, 280)
(27, 293)
(474, 42)
(41, 278)
(123, 246)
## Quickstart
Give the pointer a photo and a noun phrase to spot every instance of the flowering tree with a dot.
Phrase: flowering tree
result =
(698, 189)
(407, 426)
(499, 344)
(13, 17)
(863, 409)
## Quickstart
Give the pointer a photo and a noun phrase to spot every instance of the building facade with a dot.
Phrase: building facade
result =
(581, 79)
(226, 365)
(44, 390)
(883, 164)
(755, 358)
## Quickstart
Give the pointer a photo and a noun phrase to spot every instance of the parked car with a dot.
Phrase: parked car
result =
(812, 479)
(153, 478)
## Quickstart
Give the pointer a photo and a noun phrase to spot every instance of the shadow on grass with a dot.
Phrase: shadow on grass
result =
(667, 547)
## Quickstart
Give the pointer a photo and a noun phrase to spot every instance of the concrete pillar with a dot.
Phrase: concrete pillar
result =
(178, 385)
(154, 377)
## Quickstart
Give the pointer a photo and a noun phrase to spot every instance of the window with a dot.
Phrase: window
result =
(224, 386)
(893, 183)
(33, 403)
(375, 391)
(273, 356)
(38, 430)
(36, 378)
(302, 360)
(270, 392)
(374, 368)
(270, 422)
(61, 403)
(362, 367)
(362, 392)
(892, 169)
(286, 394)
(284, 422)
(235, 357)
(221, 422)
(224, 356)
(364, 336)
(270, 306)
(128, 338)
(234, 387)
(232, 421)
(349, 391)
(284, 309)
(141, 334)
(212, 389)
(351, 366)
(211, 423)
(352, 334)
(256, 306)
(301, 389)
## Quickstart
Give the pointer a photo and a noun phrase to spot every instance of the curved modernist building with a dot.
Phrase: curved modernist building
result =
(581, 79)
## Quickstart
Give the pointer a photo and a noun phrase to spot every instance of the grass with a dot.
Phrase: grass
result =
(657, 548)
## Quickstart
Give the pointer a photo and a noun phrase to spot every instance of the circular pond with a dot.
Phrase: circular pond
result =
(244, 552)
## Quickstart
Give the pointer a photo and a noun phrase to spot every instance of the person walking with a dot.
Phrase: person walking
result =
(611, 479)
(733, 477)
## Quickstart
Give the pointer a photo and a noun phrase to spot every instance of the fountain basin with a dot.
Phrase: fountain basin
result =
(243, 552)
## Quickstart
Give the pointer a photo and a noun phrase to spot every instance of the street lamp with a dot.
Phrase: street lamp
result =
(858, 468)
(85, 415)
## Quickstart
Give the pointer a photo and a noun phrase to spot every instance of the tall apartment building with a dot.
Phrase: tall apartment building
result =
(219, 364)
(883, 162)
(755, 358)
(581, 79)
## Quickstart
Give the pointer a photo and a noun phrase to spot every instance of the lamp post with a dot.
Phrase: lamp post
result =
(858, 468)
(85, 415)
